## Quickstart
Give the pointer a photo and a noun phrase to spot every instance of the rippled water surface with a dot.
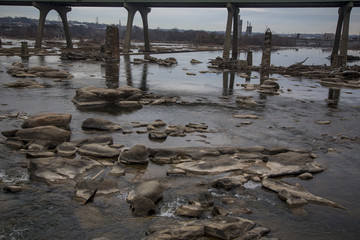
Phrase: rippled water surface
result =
(44, 211)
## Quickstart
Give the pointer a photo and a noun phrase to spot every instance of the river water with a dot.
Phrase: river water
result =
(44, 211)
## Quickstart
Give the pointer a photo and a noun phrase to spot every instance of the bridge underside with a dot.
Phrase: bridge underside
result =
(191, 4)
(144, 7)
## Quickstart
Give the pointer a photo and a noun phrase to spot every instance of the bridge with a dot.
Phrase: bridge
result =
(232, 6)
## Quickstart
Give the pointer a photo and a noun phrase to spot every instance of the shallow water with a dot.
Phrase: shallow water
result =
(49, 212)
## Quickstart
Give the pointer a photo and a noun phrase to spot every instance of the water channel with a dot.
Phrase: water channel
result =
(44, 211)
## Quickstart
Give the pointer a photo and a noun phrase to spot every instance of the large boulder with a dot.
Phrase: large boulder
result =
(100, 124)
(142, 206)
(59, 120)
(98, 151)
(92, 96)
(51, 133)
(152, 190)
(136, 155)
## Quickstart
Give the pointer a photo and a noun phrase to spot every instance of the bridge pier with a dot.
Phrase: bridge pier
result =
(144, 11)
(233, 12)
(343, 23)
(44, 10)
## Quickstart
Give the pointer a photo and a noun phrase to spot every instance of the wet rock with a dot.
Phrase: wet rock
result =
(59, 120)
(98, 151)
(102, 140)
(151, 189)
(194, 61)
(38, 145)
(129, 104)
(326, 122)
(269, 87)
(250, 87)
(305, 176)
(66, 149)
(9, 133)
(170, 229)
(219, 211)
(40, 154)
(254, 233)
(13, 188)
(26, 83)
(229, 228)
(227, 183)
(100, 124)
(57, 169)
(117, 170)
(158, 123)
(176, 131)
(157, 135)
(216, 165)
(14, 143)
(204, 198)
(85, 190)
(297, 191)
(136, 155)
(175, 171)
(197, 126)
(246, 116)
(55, 74)
(193, 211)
(94, 96)
(50, 133)
(246, 101)
(142, 206)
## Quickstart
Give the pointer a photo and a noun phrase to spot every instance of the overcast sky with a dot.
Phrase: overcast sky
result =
(279, 20)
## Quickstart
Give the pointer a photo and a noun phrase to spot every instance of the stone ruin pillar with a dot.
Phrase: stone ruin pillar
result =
(24, 54)
(333, 97)
(112, 52)
(249, 58)
(0, 43)
(266, 57)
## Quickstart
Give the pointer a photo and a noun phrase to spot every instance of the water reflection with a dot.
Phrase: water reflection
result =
(228, 86)
(112, 74)
(143, 84)
(128, 70)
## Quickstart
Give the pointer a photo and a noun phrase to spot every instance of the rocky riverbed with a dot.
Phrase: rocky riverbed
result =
(127, 162)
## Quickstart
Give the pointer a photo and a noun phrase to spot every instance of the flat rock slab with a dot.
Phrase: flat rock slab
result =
(298, 191)
(59, 120)
(57, 169)
(98, 151)
(50, 133)
(85, 190)
(26, 83)
(136, 155)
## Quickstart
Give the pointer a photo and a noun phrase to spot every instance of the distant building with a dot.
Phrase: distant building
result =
(328, 36)
(248, 29)
(240, 24)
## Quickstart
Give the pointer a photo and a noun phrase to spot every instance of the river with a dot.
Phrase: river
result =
(44, 211)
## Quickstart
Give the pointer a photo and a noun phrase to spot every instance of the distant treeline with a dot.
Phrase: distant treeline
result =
(26, 28)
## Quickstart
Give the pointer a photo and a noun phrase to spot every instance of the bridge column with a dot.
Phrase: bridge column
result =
(63, 15)
(227, 43)
(131, 13)
(144, 12)
(44, 10)
(337, 59)
(235, 33)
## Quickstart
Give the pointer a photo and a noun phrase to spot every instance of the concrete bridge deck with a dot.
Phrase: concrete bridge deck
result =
(191, 3)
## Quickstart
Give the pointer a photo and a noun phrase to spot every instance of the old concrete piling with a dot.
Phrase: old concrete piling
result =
(24, 54)
(112, 52)
(266, 57)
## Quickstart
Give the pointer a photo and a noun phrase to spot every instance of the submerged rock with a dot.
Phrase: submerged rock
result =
(142, 206)
(100, 124)
(26, 83)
